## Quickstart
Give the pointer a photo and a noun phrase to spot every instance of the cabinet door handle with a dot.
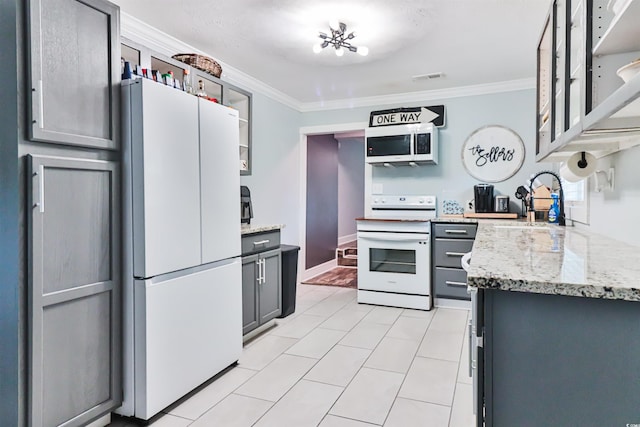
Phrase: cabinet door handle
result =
(260, 270)
(37, 98)
(461, 284)
(261, 242)
(460, 254)
(455, 231)
(259, 265)
(40, 200)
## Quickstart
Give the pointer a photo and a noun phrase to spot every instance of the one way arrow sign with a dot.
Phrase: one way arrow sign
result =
(400, 116)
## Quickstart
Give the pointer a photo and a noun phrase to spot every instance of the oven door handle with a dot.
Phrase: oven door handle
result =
(395, 237)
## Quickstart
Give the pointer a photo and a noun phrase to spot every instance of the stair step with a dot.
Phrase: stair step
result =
(347, 257)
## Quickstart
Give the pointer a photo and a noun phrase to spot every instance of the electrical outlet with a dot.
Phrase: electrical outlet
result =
(470, 206)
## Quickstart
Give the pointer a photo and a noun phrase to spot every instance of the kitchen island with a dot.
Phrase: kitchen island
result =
(556, 334)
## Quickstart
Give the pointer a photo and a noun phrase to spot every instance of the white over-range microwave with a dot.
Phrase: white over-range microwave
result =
(408, 143)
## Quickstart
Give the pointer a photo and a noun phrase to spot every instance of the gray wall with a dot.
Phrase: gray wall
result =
(11, 351)
(350, 184)
(448, 179)
(322, 199)
(615, 214)
(274, 181)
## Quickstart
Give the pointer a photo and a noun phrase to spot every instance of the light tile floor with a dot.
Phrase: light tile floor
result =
(337, 363)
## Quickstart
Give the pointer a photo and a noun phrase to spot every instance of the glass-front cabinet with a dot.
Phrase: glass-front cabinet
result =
(202, 84)
(590, 101)
(562, 45)
(544, 117)
(576, 59)
(240, 100)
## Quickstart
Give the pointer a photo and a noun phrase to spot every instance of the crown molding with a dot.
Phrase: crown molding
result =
(423, 96)
(155, 39)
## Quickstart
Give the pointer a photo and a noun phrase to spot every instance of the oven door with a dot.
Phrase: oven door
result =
(394, 262)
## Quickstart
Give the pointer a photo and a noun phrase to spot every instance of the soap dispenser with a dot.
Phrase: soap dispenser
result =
(554, 210)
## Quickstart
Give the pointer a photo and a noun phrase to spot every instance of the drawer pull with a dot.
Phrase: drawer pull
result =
(460, 254)
(261, 242)
(450, 283)
(455, 231)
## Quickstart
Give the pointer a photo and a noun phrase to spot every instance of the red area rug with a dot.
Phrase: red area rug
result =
(339, 276)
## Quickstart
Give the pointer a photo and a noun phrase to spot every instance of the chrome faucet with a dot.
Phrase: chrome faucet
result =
(561, 220)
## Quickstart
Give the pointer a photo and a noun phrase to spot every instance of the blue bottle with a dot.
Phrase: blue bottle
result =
(554, 209)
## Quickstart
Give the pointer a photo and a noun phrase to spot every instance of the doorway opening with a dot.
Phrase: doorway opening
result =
(332, 197)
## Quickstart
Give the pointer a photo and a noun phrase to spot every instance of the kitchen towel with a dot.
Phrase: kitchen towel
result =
(572, 172)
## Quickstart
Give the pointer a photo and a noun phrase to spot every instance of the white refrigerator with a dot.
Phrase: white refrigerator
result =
(183, 284)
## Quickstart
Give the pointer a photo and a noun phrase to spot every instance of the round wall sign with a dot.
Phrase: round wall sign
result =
(493, 153)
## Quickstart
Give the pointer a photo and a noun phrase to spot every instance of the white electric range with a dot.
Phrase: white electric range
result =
(394, 252)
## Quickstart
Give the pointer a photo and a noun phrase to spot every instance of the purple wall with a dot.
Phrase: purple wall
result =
(322, 199)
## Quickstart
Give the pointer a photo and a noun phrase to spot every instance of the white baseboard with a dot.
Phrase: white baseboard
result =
(346, 239)
(319, 269)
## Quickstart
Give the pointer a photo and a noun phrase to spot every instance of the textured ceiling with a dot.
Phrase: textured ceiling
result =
(471, 41)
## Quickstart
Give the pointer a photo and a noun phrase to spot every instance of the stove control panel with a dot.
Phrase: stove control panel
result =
(404, 202)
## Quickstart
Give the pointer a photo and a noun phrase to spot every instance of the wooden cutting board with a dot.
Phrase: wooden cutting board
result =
(492, 215)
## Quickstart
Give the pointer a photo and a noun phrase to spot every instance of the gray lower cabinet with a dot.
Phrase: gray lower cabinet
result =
(74, 70)
(250, 319)
(74, 290)
(451, 242)
(554, 360)
(270, 291)
(261, 288)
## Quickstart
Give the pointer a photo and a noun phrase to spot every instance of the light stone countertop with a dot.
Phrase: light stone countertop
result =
(457, 219)
(547, 259)
(253, 228)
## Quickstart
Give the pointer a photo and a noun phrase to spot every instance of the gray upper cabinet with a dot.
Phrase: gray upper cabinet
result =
(74, 72)
(74, 290)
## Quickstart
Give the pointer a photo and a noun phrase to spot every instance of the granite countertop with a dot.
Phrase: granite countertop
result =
(253, 228)
(455, 219)
(548, 259)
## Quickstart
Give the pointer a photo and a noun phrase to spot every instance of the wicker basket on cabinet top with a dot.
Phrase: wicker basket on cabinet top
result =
(200, 62)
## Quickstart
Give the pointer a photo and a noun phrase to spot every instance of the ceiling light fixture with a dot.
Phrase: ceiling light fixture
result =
(339, 40)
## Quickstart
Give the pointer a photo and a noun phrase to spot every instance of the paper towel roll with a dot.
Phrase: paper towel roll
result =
(574, 173)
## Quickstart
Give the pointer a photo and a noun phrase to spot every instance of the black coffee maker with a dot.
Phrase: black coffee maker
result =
(483, 194)
(246, 211)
